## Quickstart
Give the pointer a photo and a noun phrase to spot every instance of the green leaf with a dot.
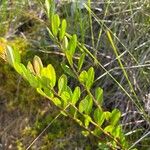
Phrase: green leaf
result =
(40, 91)
(13, 55)
(90, 105)
(69, 58)
(81, 61)
(47, 5)
(62, 84)
(99, 95)
(20, 68)
(115, 116)
(87, 120)
(48, 92)
(37, 65)
(45, 92)
(72, 45)
(117, 132)
(26, 74)
(57, 101)
(50, 8)
(109, 129)
(76, 95)
(85, 133)
(90, 78)
(49, 76)
(86, 105)
(30, 67)
(67, 70)
(99, 116)
(71, 49)
(65, 44)
(107, 115)
(62, 29)
(83, 76)
(68, 89)
(55, 24)
(82, 105)
(66, 98)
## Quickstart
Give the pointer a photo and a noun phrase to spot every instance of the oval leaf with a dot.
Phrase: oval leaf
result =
(76, 95)
(90, 78)
(115, 116)
(83, 76)
(37, 65)
(62, 29)
(80, 62)
(62, 84)
(55, 24)
(99, 116)
(99, 95)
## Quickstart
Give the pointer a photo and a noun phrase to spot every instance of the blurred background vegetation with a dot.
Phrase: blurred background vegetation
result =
(24, 114)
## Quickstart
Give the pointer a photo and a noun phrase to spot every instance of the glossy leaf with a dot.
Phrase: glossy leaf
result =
(62, 29)
(99, 95)
(76, 95)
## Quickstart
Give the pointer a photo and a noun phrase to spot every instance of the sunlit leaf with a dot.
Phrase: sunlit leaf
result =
(30, 67)
(83, 76)
(57, 101)
(87, 120)
(55, 24)
(12, 55)
(37, 65)
(48, 75)
(62, 29)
